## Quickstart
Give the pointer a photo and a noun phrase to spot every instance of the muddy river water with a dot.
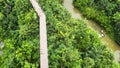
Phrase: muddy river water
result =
(68, 4)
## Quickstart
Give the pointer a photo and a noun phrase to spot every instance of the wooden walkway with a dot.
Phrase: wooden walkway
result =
(43, 34)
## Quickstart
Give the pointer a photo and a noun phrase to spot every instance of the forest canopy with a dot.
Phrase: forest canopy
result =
(67, 46)
(105, 12)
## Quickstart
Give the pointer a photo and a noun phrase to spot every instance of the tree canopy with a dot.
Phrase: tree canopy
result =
(71, 44)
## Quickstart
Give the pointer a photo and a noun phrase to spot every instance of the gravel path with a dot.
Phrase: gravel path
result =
(43, 34)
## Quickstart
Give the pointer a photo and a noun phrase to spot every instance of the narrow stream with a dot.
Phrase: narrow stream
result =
(105, 38)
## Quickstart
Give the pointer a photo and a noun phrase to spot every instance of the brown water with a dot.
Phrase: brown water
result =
(104, 37)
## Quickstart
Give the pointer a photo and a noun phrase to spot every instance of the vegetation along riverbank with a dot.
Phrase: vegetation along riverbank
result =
(105, 12)
(71, 44)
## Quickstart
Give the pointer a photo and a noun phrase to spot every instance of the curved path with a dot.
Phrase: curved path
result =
(43, 34)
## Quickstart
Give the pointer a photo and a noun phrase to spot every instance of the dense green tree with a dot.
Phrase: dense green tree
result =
(106, 13)
(116, 17)
(19, 32)
(117, 31)
(1, 16)
(67, 33)
(71, 44)
(88, 63)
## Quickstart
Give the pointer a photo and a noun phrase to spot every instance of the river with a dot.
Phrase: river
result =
(68, 4)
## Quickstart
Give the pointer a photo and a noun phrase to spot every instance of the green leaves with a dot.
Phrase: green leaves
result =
(1, 16)
(104, 12)
(70, 43)
(116, 17)
(88, 62)
(117, 31)
(95, 51)
(1, 0)
(20, 33)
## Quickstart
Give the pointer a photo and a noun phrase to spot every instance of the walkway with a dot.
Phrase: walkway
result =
(43, 34)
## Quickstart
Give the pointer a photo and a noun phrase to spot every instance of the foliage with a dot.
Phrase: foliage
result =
(19, 32)
(67, 38)
(88, 62)
(117, 31)
(71, 44)
(104, 12)
(116, 17)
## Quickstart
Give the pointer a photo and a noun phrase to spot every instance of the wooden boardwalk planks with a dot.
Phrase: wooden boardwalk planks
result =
(43, 34)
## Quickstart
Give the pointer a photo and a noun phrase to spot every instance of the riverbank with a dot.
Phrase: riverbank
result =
(106, 13)
(68, 4)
